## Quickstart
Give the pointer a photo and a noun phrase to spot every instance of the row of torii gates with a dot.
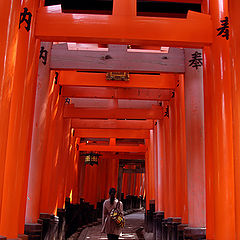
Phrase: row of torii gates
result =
(191, 139)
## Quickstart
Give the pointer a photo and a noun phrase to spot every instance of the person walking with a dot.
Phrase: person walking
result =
(109, 226)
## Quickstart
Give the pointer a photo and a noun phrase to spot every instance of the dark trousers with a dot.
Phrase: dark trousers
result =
(112, 237)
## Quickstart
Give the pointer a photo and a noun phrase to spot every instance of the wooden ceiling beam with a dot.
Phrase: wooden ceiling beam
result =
(112, 133)
(117, 93)
(112, 124)
(162, 81)
(119, 113)
(101, 148)
(195, 31)
(117, 58)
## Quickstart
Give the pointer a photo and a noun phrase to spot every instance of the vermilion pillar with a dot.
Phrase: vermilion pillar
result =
(222, 140)
(235, 56)
(172, 159)
(50, 180)
(166, 148)
(160, 157)
(20, 126)
(64, 161)
(9, 17)
(195, 145)
(181, 164)
(209, 154)
(39, 138)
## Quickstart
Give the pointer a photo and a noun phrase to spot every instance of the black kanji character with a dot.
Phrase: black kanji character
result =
(25, 16)
(43, 55)
(224, 30)
(166, 114)
(196, 60)
(67, 100)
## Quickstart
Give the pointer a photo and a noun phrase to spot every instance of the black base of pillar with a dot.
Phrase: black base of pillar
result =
(23, 236)
(180, 229)
(159, 219)
(33, 230)
(194, 233)
(176, 221)
(3, 238)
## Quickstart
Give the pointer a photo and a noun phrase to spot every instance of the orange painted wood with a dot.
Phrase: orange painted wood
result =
(9, 14)
(112, 124)
(178, 1)
(112, 133)
(117, 93)
(124, 8)
(63, 159)
(195, 31)
(102, 148)
(234, 44)
(119, 113)
(209, 154)
(181, 163)
(21, 115)
(162, 81)
(166, 174)
(172, 159)
(221, 98)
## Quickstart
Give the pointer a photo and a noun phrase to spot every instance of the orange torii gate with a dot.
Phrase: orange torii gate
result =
(220, 151)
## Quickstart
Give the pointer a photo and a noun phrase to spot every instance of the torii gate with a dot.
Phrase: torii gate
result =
(18, 70)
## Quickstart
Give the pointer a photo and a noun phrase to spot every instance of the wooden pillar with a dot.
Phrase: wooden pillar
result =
(39, 138)
(166, 139)
(124, 8)
(160, 157)
(222, 140)
(20, 126)
(155, 163)
(120, 179)
(9, 17)
(235, 56)
(181, 164)
(49, 185)
(64, 161)
(194, 112)
(172, 159)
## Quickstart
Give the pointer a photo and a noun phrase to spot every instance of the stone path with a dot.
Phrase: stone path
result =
(134, 221)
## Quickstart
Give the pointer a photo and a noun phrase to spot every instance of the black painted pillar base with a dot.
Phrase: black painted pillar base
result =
(194, 233)
(3, 238)
(169, 228)
(23, 236)
(33, 230)
(176, 221)
(180, 230)
(159, 219)
(164, 228)
(61, 213)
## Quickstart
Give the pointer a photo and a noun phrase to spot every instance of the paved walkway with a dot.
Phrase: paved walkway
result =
(134, 221)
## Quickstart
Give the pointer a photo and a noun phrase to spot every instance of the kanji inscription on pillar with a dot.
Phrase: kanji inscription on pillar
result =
(196, 60)
(43, 55)
(224, 29)
(166, 113)
(26, 17)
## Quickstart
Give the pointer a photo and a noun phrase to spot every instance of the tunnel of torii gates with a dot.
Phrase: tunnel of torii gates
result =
(179, 111)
